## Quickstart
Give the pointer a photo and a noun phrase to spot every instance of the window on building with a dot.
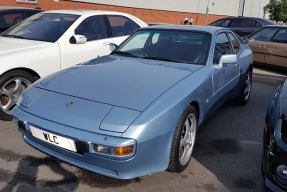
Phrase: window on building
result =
(32, 1)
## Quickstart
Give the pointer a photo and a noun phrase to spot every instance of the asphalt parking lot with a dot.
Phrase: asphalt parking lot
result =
(227, 157)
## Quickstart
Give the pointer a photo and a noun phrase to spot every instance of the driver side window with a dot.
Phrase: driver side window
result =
(92, 28)
(222, 47)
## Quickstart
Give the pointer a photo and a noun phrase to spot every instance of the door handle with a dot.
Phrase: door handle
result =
(236, 65)
(262, 46)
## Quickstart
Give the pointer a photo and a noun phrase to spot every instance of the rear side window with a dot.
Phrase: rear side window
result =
(222, 47)
(234, 42)
(243, 22)
(121, 26)
(281, 36)
(258, 25)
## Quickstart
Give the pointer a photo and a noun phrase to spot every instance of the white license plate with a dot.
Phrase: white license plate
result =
(54, 139)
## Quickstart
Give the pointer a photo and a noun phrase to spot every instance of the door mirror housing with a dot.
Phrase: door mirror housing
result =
(245, 39)
(113, 46)
(227, 59)
(78, 39)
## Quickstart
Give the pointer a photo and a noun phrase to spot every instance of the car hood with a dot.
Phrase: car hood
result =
(123, 82)
(11, 45)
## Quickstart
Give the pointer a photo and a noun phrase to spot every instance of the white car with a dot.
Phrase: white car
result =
(54, 40)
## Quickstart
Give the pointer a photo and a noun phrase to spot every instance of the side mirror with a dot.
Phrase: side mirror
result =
(227, 59)
(78, 39)
(245, 39)
(113, 46)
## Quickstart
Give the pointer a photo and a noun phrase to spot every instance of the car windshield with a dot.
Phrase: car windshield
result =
(47, 27)
(168, 45)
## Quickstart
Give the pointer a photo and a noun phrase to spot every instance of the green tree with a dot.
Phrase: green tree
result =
(277, 10)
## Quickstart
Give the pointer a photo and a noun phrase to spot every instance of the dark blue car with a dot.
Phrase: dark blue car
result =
(243, 26)
(10, 16)
(274, 157)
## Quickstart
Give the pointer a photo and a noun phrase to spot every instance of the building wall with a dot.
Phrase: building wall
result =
(216, 7)
(170, 11)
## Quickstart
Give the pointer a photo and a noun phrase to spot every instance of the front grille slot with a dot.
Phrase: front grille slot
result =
(284, 130)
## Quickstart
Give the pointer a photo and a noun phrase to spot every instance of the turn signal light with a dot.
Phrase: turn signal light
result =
(122, 151)
(265, 127)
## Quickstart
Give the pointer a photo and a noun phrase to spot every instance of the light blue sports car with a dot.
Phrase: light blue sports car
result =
(137, 111)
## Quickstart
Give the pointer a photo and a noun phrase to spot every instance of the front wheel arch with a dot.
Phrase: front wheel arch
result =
(30, 71)
(197, 108)
(183, 140)
(12, 84)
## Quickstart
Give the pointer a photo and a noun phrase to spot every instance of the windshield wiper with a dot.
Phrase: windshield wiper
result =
(163, 59)
(125, 53)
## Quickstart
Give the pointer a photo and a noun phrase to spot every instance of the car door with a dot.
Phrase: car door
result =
(98, 43)
(276, 50)
(225, 77)
(258, 41)
(121, 27)
(243, 26)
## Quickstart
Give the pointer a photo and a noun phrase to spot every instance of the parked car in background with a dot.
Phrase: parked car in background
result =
(137, 111)
(274, 157)
(243, 26)
(10, 16)
(50, 41)
(269, 46)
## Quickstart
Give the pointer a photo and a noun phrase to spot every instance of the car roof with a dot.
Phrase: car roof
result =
(8, 8)
(84, 12)
(276, 26)
(209, 29)
(261, 20)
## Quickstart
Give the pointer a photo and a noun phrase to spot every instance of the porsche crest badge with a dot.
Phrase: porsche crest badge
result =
(69, 104)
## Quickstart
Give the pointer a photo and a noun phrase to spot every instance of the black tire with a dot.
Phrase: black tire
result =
(12, 85)
(245, 91)
(176, 163)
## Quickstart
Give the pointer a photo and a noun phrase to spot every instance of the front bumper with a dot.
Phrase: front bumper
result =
(148, 156)
(274, 155)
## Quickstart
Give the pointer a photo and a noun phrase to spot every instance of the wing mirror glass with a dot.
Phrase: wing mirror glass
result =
(78, 39)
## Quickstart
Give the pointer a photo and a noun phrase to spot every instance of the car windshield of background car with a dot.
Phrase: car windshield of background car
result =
(168, 45)
(263, 35)
(47, 27)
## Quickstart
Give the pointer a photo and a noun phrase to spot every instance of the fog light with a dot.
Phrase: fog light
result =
(122, 151)
(282, 171)
(102, 149)
(281, 174)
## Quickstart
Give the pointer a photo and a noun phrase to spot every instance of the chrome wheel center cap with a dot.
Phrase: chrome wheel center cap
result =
(16, 96)
(189, 140)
